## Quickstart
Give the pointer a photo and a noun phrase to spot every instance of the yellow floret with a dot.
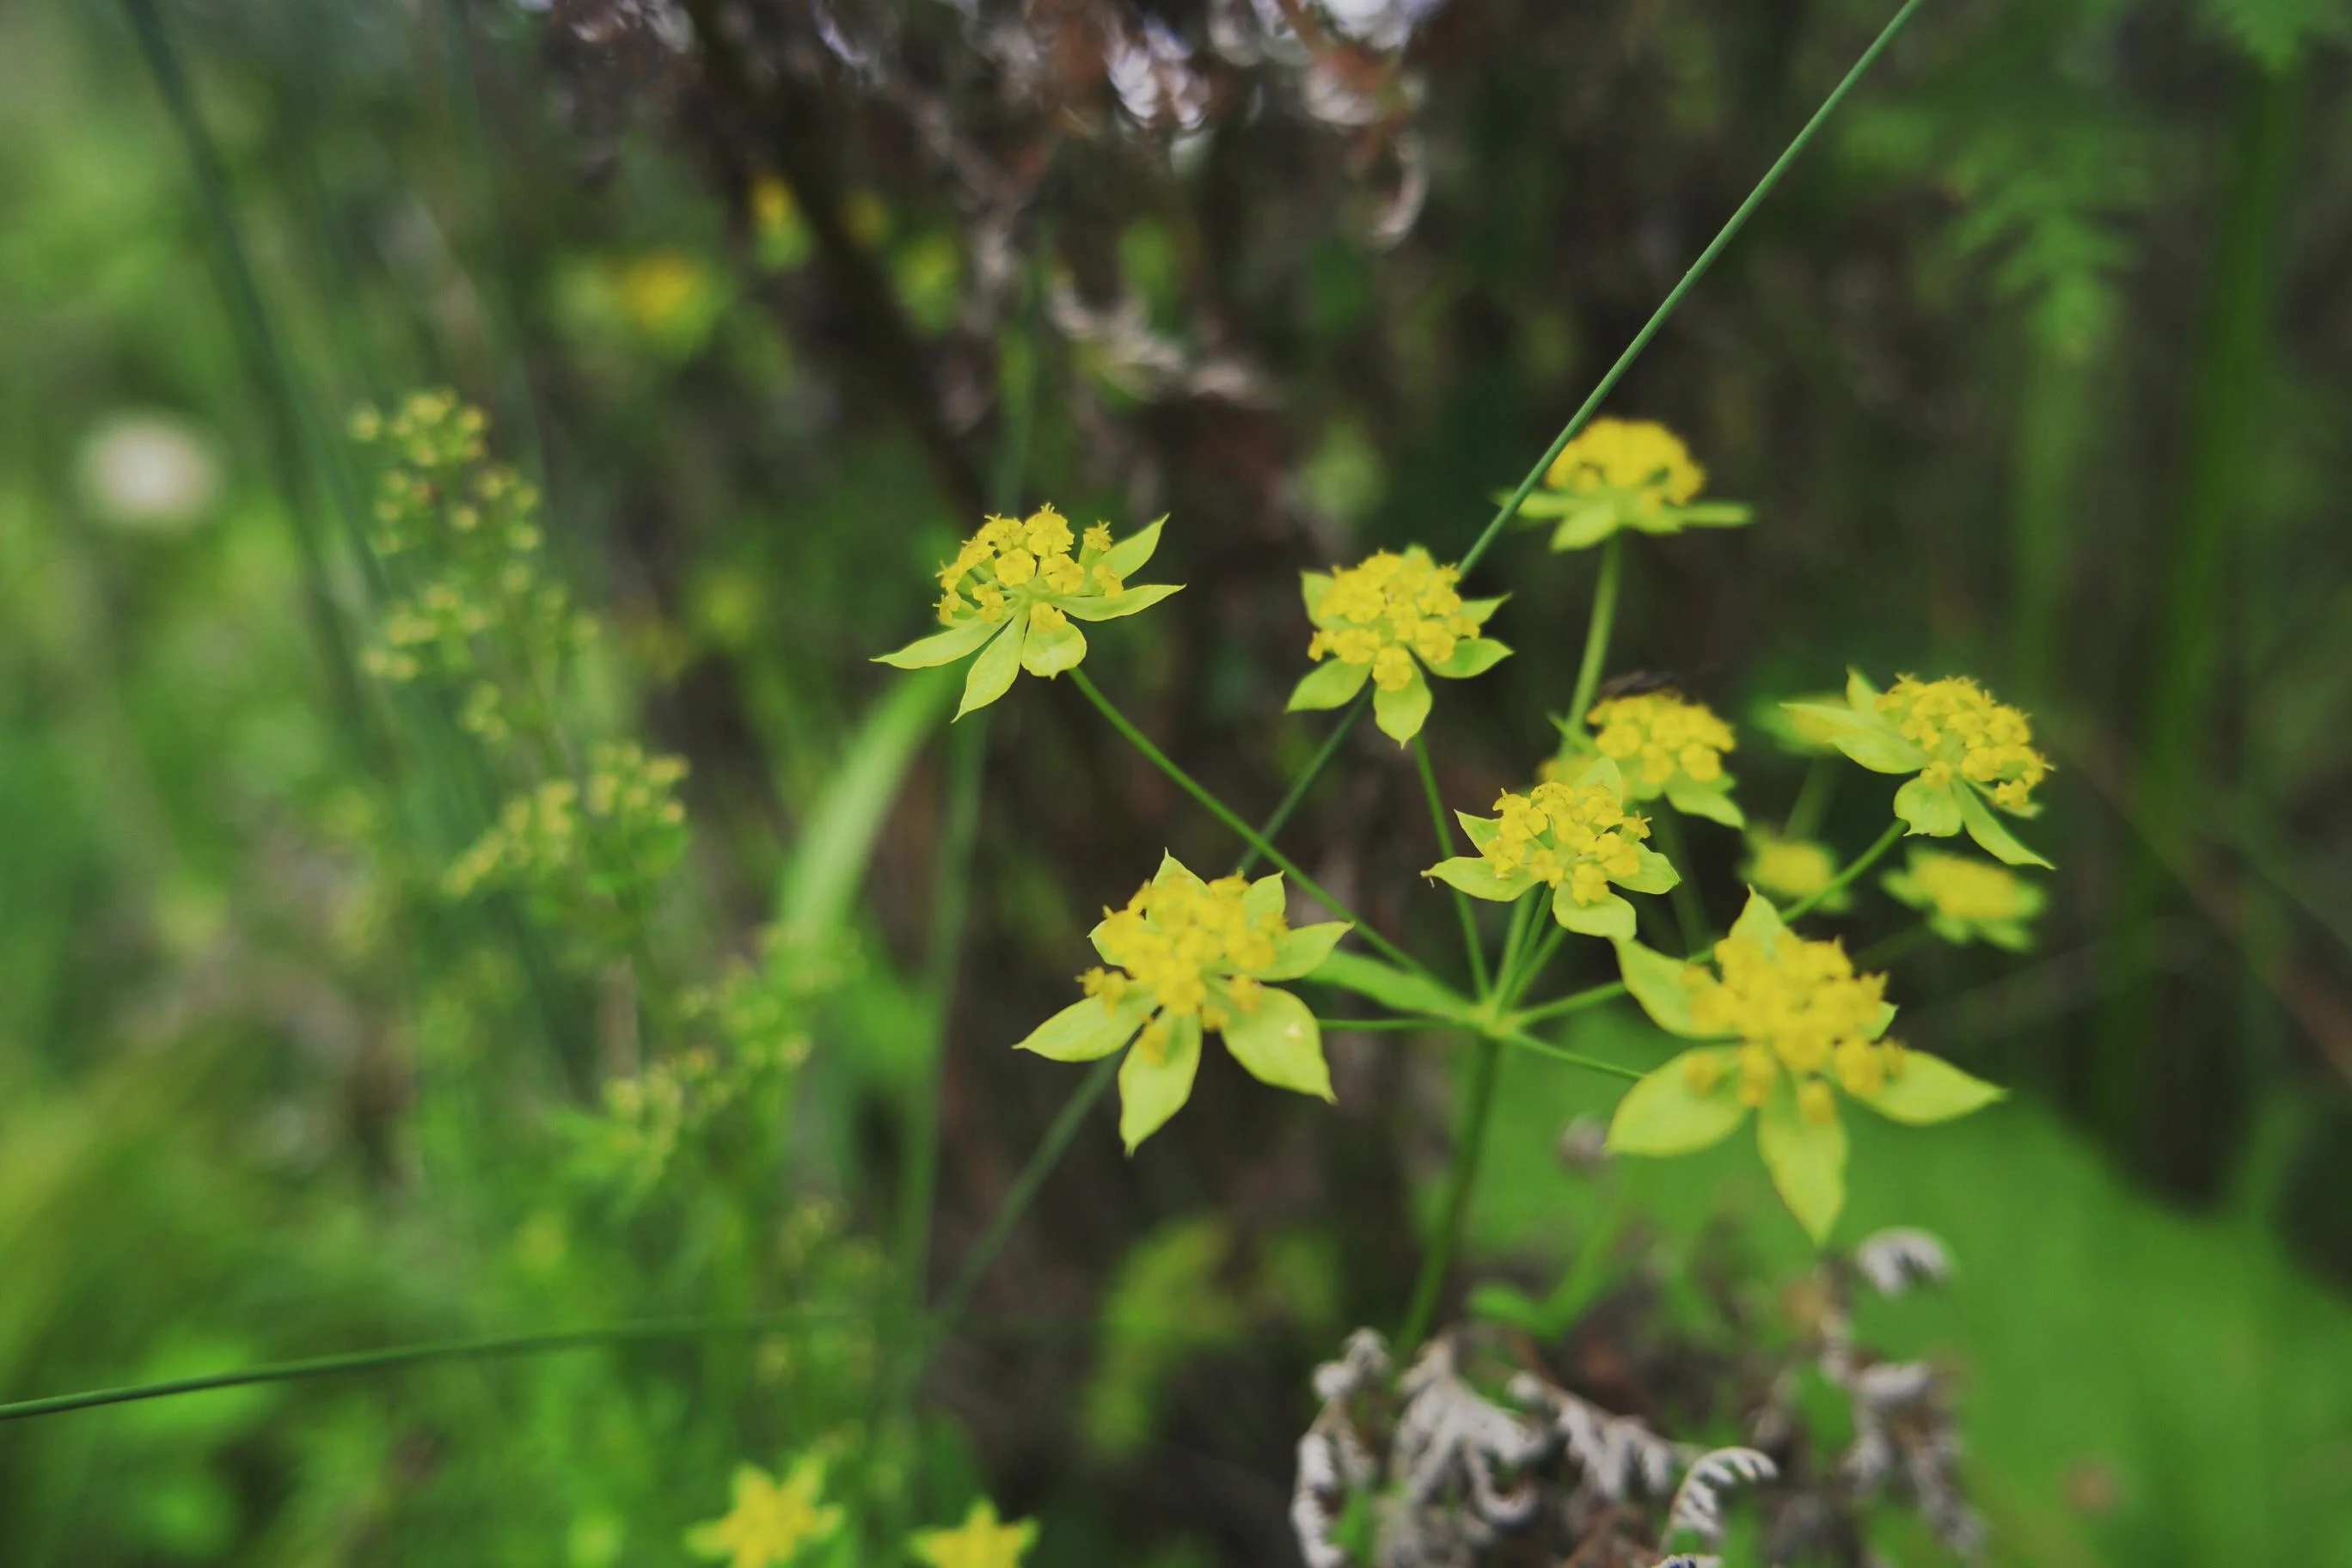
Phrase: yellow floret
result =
(1963, 729)
(1658, 734)
(1630, 455)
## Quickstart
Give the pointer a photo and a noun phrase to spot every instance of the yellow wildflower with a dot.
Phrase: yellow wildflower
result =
(1792, 868)
(1577, 839)
(1968, 751)
(1625, 473)
(1188, 957)
(980, 1541)
(1965, 899)
(1668, 745)
(1387, 618)
(1013, 590)
(1803, 1027)
(771, 1521)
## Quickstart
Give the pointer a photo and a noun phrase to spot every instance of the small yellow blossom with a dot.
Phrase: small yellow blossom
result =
(1387, 618)
(1792, 868)
(980, 1541)
(1577, 839)
(1968, 751)
(1188, 956)
(1803, 1026)
(771, 1521)
(1668, 745)
(1625, 473)
(1013, 590)
(1965, 899)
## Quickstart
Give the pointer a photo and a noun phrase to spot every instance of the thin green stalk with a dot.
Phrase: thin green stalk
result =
(1813, 798)
(1250, 836)
(1526, 1042)
(1689, 914)
(1469, 1148)
(1574, 1002)
(1381, 1024)
(1470, 943)
(1304, 780)
(1597, 631)
(951, 907)
(1532, 968)
(1880, 954)
(1861, 863)
(1507, 980)
(413, 1356)
(1738, 220)
(1021, 1194)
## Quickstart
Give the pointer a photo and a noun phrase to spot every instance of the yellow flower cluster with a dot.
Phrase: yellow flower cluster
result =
(1963, 729)
(1788, 868)
(1966, 888)
(1178, 937)
(1013, 552)
(1800, 1007)
(1658, 734)
(428, 430)
(1387, 608)
(1580, 832)
(1635, 456)
(629, 818)
(771, 1521)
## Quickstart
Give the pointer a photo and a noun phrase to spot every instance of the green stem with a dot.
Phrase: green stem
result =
(1812, 799)
(1739, 219)
(1596, 632)
(417, 1354)
(1880, 954)
(1574, 1002)
(1689, 914)
(1020, 1195)
(1250, 836)
(1508, 982)
(1299, 787)
(1469, 1146)
(1861, 863)
(1413, 1023)
(950, 905)
(1444, 852)
(1526, 1042)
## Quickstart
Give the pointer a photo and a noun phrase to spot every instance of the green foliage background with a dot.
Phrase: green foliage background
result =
(2039, 366)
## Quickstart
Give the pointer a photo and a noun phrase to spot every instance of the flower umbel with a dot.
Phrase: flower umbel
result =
(1625, 473)
(1668, 745)
(1792, 868)
(1964, 899)
(1803, 1022)
(1013, 590)
(1190, 956)
(980, 1541)
(1577, 839)
(1387, 619)
(771, 1521)
(1969, 750)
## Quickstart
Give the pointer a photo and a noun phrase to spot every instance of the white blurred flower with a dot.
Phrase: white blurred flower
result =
(149, 472)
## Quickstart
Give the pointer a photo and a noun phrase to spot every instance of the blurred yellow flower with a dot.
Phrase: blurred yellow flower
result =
(980, 1541)
(771, 1521)
(1964, 898)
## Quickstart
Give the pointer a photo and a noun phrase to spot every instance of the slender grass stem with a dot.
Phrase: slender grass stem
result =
(1698, 268)
(1597, 631)
(1812, 799)
(1689, 913)
(1507, 983)
(1249, 835)
(1855, 868)
(950, 906)
(1880, 954)
(1524, 1041)
(1469, 1148)
(1470, 943)
(1388, 1024)
(1306, 780)
(1020, 1195)
(1574, 1002)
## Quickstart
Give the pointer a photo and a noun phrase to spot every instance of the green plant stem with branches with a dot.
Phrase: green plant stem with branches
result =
(1470, 939)
(1477, 1108)
(1853, 868)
